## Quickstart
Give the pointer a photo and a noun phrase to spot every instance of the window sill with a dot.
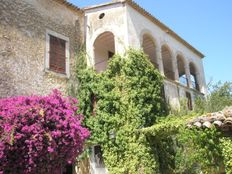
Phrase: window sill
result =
(56, 74)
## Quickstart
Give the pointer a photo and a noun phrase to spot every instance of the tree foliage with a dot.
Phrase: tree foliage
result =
(39, 134)
(220, 96)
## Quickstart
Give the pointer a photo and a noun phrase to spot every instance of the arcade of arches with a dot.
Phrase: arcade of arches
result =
(173, 68)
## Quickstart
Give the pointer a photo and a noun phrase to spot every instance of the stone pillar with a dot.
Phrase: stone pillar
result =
(175, 69)
(198, 81)
(187, 72)
(159, 60)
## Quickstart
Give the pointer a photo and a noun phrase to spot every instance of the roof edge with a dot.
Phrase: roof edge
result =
(150, 17)
(102, 5)
(163, 26)
(70, 6)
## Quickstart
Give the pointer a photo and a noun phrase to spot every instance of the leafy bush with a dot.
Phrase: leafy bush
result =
(198, 151)
(181, 149)
(39, 134)
(120, 101)
(226, 145)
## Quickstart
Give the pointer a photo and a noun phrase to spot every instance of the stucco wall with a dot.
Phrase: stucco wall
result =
(114, 21)
(128, 27)
(23, 26)
(139, 25)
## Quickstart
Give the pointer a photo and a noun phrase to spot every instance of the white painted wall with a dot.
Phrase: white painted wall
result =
(114, 21)
(128, 27)
(138, 25)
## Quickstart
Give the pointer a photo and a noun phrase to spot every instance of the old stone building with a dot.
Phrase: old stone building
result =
(39, 39)
(27, 30)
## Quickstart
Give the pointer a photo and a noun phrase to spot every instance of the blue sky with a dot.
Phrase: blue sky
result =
(205, 24)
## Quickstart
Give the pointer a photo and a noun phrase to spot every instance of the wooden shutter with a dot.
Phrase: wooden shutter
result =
(57, 57)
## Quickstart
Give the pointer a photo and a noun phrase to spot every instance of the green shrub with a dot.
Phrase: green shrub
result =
(127, 97)
(226, 145)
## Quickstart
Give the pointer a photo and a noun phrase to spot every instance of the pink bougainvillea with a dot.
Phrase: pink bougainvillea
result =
(39, 134)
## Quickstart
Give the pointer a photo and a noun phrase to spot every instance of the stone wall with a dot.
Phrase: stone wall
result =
(23, 26)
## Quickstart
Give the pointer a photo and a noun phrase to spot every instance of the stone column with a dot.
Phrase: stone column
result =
(198, 80)
(175, 69)
(187, 72)
(160, 61)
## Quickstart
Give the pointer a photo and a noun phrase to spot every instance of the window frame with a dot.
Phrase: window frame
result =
(47, 52)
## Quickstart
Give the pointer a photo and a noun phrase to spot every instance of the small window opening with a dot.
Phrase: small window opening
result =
(101, 15)
(98, 157)
(189, 101)
(110, 54)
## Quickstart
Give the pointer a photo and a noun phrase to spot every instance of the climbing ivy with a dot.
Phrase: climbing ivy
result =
(180, 149)
(124, 108)
(119, 102)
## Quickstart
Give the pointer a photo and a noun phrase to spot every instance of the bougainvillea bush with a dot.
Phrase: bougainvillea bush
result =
(39, 134)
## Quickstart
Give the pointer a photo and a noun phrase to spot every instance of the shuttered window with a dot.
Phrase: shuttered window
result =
(57, 58)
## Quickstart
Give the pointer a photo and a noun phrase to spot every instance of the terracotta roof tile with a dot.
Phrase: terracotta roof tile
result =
(221, 120)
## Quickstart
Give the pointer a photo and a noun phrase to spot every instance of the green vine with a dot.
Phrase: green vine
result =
(123, 107)
(181, 149)
(127, 97)
(226, 145)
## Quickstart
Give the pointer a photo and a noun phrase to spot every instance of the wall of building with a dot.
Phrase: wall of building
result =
(138, 25)
(23, 26)
(128, 27)
(114, 21)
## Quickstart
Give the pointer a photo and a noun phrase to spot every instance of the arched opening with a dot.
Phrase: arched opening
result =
(193, 76)
(181, 69)
(104, 49)
(149, 48)
(167, 63)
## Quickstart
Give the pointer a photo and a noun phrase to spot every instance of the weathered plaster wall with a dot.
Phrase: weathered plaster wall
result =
(114, 21)
(23, 27)
(128, 27)
(138, 25)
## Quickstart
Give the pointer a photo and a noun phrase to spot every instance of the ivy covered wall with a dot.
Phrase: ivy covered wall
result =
(119, 102)
(128, 118)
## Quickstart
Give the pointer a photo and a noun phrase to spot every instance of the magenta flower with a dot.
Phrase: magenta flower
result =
(39, 134)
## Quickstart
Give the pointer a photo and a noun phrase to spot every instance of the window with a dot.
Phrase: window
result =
(189, 101)
(98, 158)
(57, 53)
(110, 55)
